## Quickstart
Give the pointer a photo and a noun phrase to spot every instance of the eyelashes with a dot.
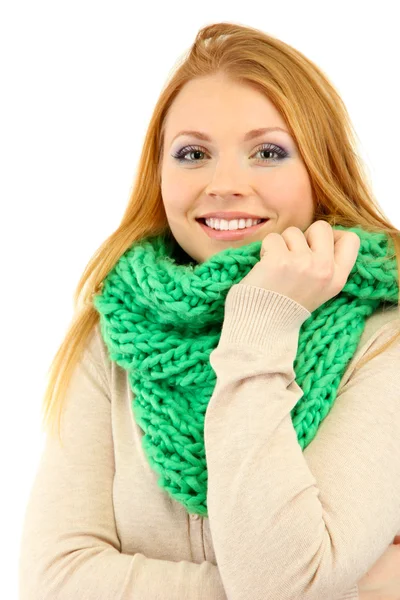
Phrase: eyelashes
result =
(180, 156)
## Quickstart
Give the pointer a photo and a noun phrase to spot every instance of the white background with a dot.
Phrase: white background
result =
(79, 81)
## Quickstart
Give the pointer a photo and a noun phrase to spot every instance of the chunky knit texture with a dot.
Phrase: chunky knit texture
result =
(160, 321)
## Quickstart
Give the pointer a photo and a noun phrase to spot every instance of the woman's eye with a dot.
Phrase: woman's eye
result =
(181, 155)
(267, 148)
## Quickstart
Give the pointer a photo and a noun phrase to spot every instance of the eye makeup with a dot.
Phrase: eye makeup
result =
(180, 156)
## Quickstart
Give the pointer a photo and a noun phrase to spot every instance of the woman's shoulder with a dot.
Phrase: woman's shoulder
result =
(381, 324)
(97, 353)
(379, 328)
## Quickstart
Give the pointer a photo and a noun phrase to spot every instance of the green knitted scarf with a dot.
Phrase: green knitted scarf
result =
(160, 320)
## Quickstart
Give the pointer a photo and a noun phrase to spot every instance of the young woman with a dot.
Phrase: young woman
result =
(228, 387)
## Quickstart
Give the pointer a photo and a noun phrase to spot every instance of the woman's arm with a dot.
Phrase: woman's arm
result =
(70, 548)
(285, 522)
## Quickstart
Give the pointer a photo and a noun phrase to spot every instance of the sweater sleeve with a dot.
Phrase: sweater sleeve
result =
(69, 547)
(286, 523)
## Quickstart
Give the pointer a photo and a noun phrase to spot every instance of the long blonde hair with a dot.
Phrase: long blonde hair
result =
(318, 121)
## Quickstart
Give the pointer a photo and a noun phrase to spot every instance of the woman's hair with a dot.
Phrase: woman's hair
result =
(315, 116)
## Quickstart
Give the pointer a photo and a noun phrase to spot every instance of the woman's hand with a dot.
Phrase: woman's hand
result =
(310, 268)
(382, 581)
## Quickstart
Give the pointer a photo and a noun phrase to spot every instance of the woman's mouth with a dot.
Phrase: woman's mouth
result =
(229, 235)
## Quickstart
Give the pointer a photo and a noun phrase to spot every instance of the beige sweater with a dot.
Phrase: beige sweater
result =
(282, 524)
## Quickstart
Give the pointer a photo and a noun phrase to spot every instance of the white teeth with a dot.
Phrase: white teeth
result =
(223, 225)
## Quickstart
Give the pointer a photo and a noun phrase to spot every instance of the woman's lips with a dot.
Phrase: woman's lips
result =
(227, 235)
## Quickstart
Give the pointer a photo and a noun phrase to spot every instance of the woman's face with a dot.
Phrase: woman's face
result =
(263, 176)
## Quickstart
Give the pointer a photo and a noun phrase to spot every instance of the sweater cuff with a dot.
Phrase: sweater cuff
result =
(352, 594)
(261, 317)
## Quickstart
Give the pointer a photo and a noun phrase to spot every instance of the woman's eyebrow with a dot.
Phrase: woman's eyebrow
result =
(248, 136)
